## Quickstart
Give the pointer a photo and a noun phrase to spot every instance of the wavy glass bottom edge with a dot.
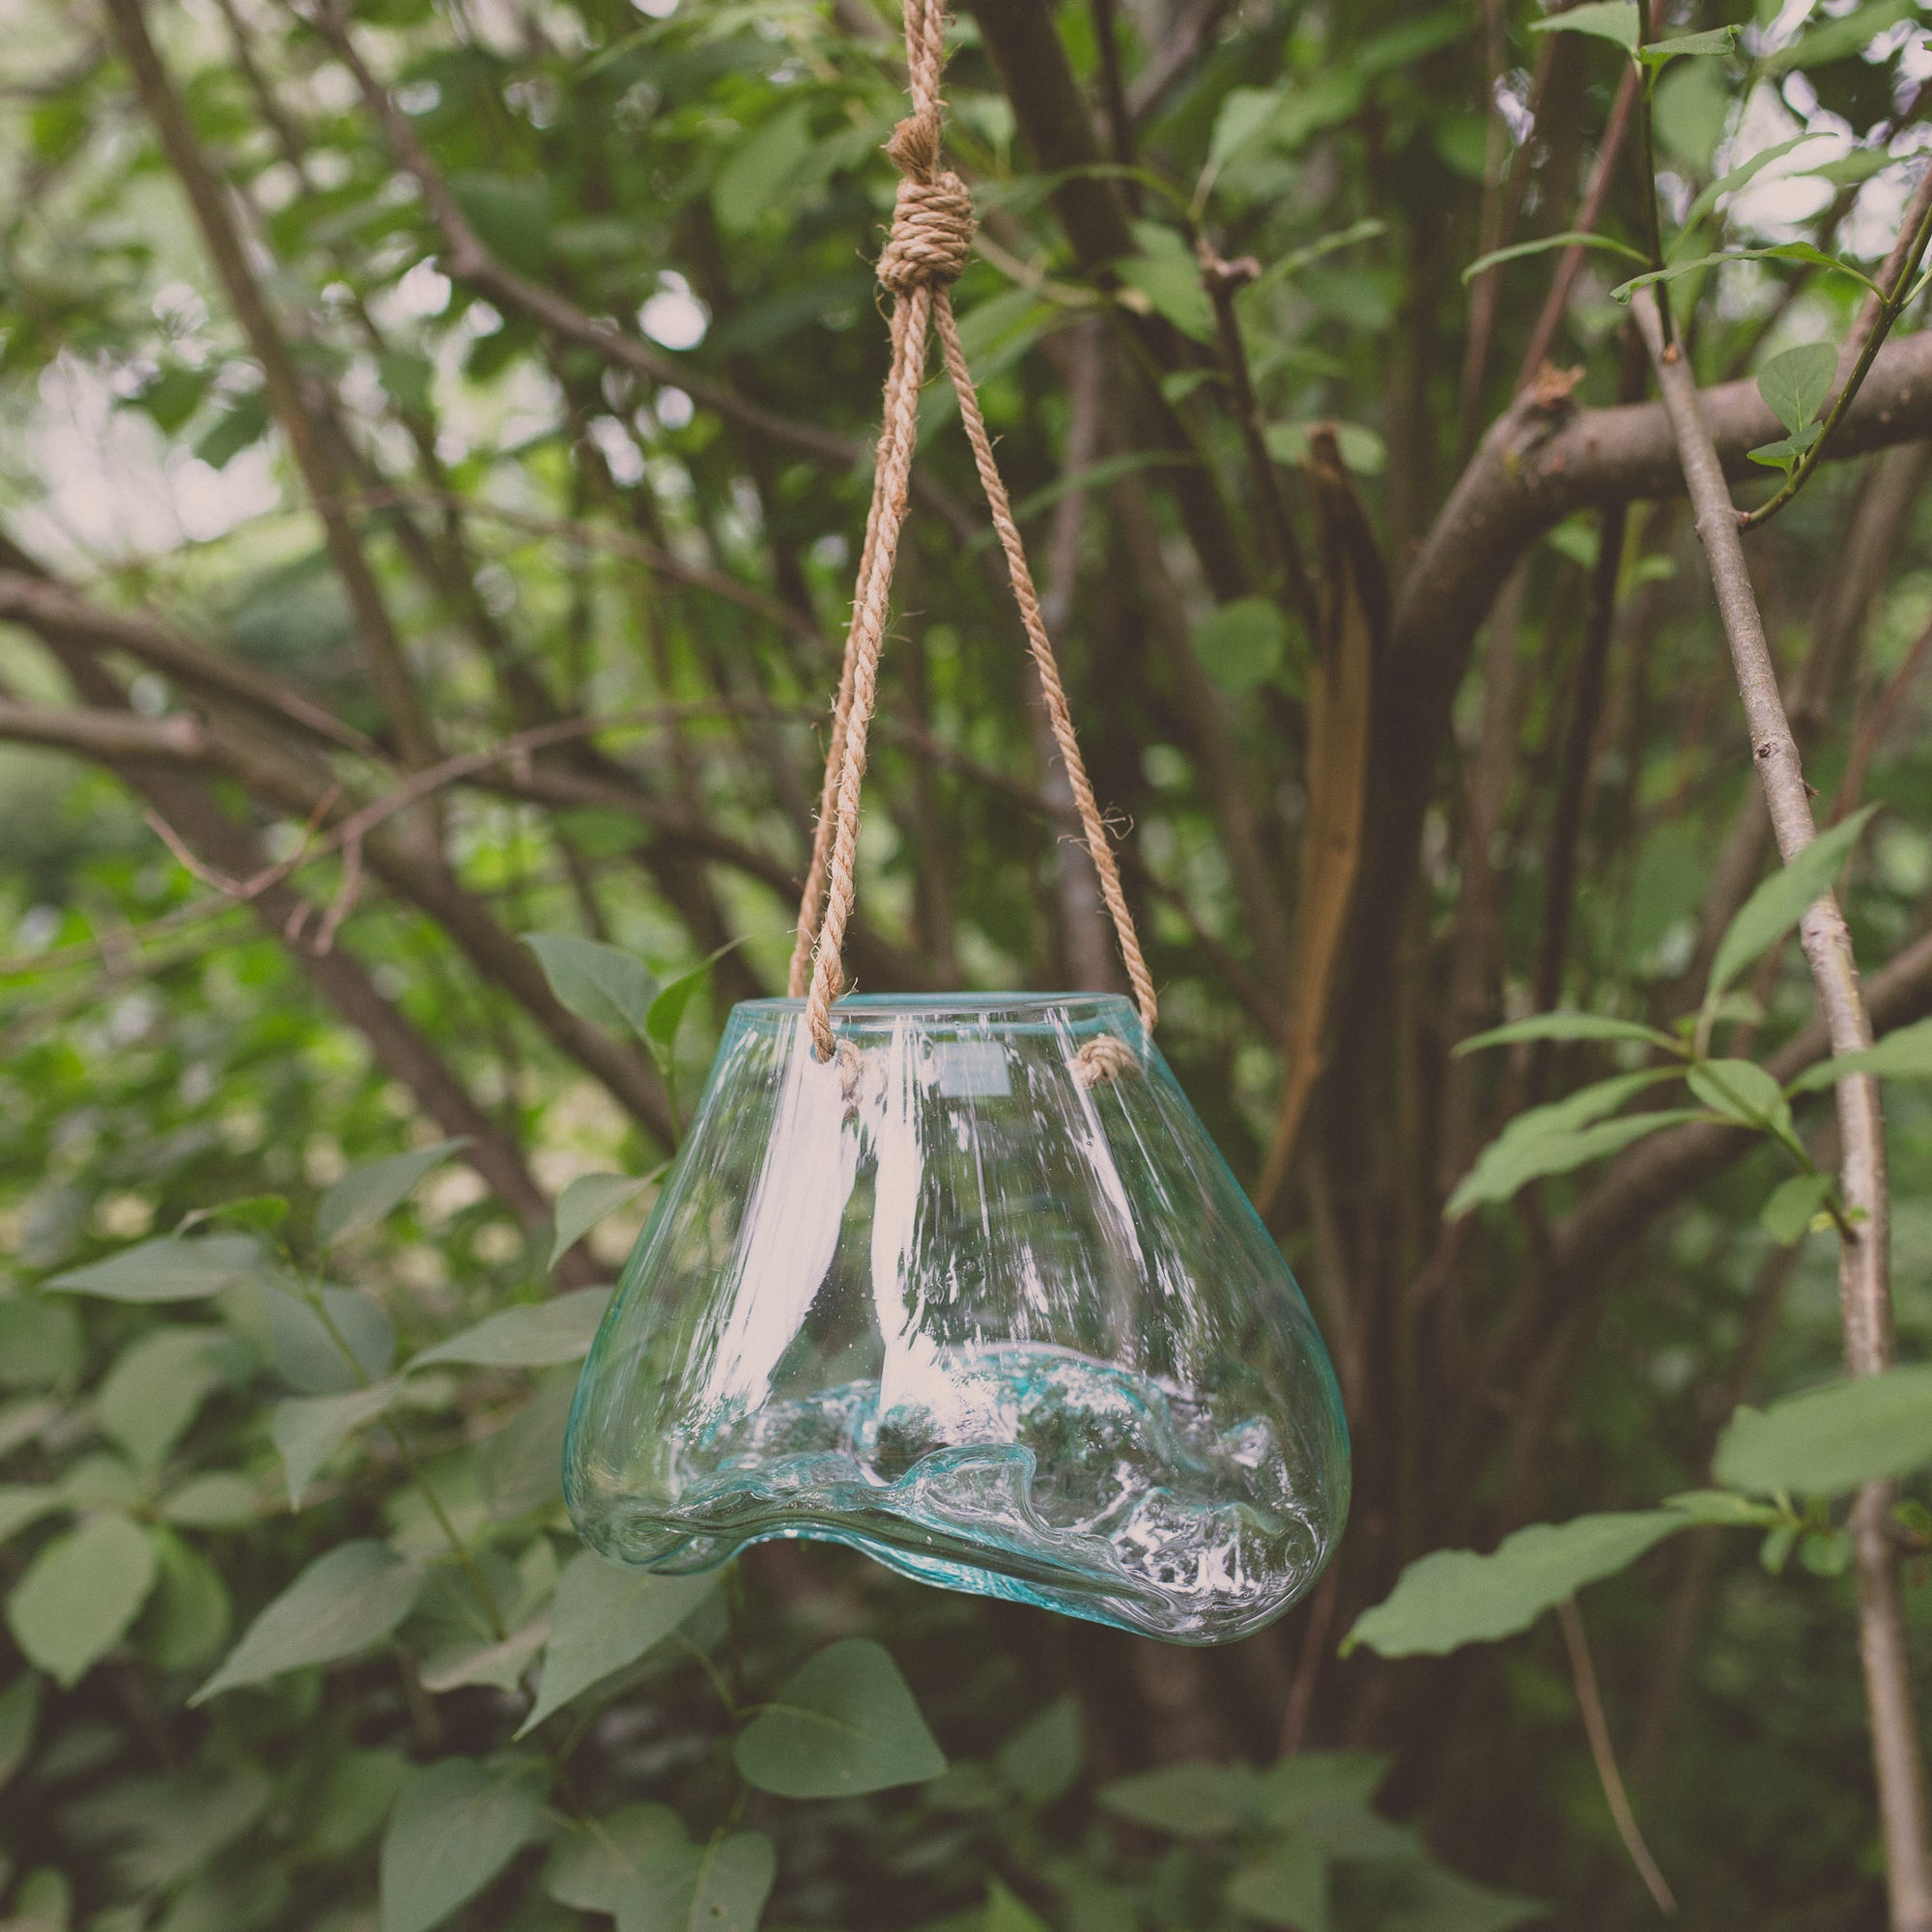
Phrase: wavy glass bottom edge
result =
(978, 1303)
(1179, 1532)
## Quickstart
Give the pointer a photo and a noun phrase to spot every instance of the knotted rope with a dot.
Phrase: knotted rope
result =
(930, 237)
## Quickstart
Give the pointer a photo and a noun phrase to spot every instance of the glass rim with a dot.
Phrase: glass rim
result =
(947, 1003)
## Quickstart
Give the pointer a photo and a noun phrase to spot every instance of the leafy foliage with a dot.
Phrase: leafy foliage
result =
(317, 1175)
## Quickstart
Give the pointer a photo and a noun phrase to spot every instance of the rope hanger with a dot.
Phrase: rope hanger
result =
(928, 246)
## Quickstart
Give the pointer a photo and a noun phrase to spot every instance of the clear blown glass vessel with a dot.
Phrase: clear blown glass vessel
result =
(978, 1297)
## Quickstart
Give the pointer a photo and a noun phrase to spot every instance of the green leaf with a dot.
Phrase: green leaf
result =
(520, 1469)
(1452, 1597)
(343, 1602)
(409, 378)
(42, 1902)
(667, 1012)
(1558, 1138)
(1411, 41)
(1723, 1507)
(1295, 1788)
(1743, 1091)
(1362, 451)
(1006, 1912)
(720, 1886)
(358, 1793)
(1286, 266)
(1786, 1217)
(1417, 1896)
(1781, 900)
(601, 983)
(1736, 177)
(587, 1199)
(1852, 169)
(1565, 1026)
(536, 1336)
(156, 1388)
(1905, 1054)
(510, 214)
(501, 1665)
(590, 1867)
(1167, 279)
(170, 1826)
(1713, 40)
(187, 1616)
(1826, 1552)
(453, 1829)
(1786, 450)
(1544, 245)
(19, 1709)
(100, 1482)
(367, 1194)
(1840, 38)
(308, 1430)
(220, 1499)
(40, 1341)
(1288, 1886)
(1041, 1759)
(756, 176)
(81, 1594)
(1241, 643)
(604, 1617)
(172, 396)
(166, 1271)
(1797, 384)
(1782, 251)
(308, 1350)
(244, 421)
(843, 1724)
(1244, 114)
(1192, 1801)
(23, 1504)
(1831, 1439)
(1606, 19)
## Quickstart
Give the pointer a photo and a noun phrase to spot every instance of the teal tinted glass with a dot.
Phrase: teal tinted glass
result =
(991, 1310)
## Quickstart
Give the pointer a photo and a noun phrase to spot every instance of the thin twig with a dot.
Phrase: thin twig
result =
(1873, 732)
(1864, 1286)
(208, 197)
(1590, 211)
(1897, 278)
(619, 543)
(1181, 49)
(1223, 282)
(1583, 1674)
(1653, 235)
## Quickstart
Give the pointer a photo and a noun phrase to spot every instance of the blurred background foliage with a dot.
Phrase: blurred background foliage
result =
(386, 387)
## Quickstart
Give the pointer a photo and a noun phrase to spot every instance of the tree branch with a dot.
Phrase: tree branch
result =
(1864, 1287)
(149, 754)
(208, 197)
(1540, 461)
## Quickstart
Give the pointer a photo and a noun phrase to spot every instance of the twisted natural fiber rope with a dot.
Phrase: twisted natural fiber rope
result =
(932, 234)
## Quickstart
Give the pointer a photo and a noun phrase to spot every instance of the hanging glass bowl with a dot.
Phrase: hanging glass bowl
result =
(979, 1298)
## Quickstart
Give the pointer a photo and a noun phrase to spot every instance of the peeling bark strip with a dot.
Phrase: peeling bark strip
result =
(1353, 596)
(1864, 1287)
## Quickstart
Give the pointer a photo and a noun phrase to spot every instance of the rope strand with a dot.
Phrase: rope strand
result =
(924, 252)
(812, 902)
